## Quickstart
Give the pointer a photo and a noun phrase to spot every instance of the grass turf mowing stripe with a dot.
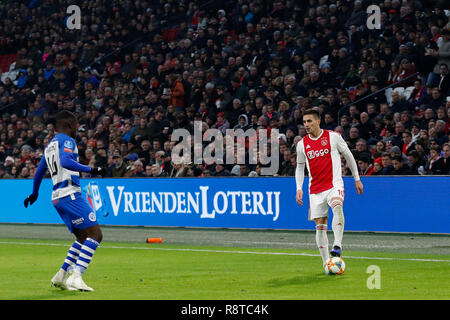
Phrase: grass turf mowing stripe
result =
(137, 271)
(233, 251)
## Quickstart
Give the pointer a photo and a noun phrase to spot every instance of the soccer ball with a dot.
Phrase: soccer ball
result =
(335, 265)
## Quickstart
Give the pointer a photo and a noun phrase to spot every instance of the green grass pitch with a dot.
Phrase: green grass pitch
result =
(179, 272)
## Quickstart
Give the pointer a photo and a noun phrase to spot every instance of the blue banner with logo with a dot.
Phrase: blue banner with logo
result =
(389, 204)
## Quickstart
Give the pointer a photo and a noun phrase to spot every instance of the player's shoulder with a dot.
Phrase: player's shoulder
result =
(300, 146)
(334, 134)
(63, 137)
(65, 141)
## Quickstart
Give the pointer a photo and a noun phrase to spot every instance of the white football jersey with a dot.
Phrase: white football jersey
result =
(65, 182)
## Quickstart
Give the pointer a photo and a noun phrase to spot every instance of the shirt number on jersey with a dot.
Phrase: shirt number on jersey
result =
(52, 166)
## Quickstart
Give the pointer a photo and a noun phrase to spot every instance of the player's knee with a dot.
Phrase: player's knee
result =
(80, 235)
(321, 227)
(95, 233)
(336, 204)
(98, 235)
(81, 239)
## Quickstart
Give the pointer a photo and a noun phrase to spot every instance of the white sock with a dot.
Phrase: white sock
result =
(338, 224)
(322, 241)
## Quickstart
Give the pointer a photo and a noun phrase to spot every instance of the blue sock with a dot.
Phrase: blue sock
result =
(87, 251)
(72, 256)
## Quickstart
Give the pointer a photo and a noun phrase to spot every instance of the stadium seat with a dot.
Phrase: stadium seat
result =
(400, 90)
(12, 75)
(6, 60)
(323, 60)
(388, 93)
(407, 92)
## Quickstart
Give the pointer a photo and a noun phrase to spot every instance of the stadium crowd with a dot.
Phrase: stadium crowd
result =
(138, 70)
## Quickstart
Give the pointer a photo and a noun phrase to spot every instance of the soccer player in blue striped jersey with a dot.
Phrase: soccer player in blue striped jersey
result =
(61, 159)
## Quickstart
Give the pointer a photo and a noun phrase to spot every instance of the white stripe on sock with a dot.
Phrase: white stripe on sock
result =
(85, 256)
(90, 250)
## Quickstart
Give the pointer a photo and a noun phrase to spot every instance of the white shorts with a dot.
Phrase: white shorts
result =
(320, 202)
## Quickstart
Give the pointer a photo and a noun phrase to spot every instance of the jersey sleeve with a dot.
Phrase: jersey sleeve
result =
(343, 149)
(68, 146)
(341, 145)
(39, 175)
(67, 156)
(300, 170)
(301, 158)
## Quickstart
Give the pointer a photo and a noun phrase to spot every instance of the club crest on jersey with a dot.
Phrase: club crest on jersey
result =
(92, 217)
(317, 153)
(324, 142)
(68, 145)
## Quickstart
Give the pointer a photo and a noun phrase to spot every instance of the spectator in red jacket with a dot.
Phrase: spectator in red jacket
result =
(365, 167)
(177, 92)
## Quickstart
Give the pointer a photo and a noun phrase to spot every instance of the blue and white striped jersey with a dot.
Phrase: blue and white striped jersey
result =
(61, 149)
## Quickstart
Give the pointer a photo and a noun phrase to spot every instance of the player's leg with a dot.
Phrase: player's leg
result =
(90, 238)
(319, 213)
(60, 278)
(336, 202)
(89, 234)
(322, 238)
(93, 232)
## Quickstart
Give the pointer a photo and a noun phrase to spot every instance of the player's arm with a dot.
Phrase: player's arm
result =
(69, 163)
(345, 151)
(300, 173)
(38, 176)
(299, 178)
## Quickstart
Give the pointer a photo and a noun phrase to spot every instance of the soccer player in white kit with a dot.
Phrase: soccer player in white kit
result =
(321, 151)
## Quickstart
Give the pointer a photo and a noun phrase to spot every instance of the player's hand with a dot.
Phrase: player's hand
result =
(98, 171)
(299, 196)
(359, 187)
(30, 200)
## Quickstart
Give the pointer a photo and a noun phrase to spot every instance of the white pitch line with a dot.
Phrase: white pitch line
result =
(348, 245)
(230, 251)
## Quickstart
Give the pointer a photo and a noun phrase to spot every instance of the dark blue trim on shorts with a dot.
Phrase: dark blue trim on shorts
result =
(64, 184)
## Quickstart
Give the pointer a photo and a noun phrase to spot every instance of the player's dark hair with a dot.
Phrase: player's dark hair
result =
(312, 111)
(64, 118)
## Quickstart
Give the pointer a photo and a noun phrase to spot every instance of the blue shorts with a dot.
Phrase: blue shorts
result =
(75, 211)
